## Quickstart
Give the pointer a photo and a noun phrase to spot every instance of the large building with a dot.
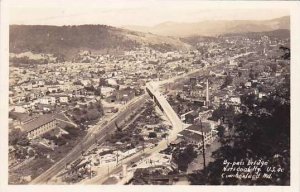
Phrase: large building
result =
(193, 134)
(39, 125)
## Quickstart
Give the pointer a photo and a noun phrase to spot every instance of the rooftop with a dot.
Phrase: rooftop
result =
(38, 122)
(190, 135)
(196, 127)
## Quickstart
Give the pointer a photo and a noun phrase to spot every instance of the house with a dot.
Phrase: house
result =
(189, 117)
(110, 110)
(47, 100)
(125, 95)
(60, 98)
(248, 84)
(85, 82)
(107, 91)
(63, 99)
(261, 95)
(235, 99)
(41, 83)
(53, 89)
(197, 91)
(112, 82)
(20, 109)
(27, 87)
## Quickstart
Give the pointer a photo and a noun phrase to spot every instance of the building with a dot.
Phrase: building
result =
(125, 95)
(189, 117)
(193, 134)
(47, 100)
(39, 125)
(235, 99)
(54, 89)
(19, 109)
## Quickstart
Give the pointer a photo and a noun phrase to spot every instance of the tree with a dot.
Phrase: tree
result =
(184, 157)
(228, 81)
(286, 52)
(18, 137)
(97, 91)
(251, 74)
(221, 130)
(102, 82)
(152, 135)
(240, 73)
(31, 153)
(223, 113)
(258, 134)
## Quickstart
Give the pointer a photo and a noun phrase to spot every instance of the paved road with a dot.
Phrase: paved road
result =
(167, 109)
(98, 132)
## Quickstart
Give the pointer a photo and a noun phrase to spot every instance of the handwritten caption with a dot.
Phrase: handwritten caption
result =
(248, 169)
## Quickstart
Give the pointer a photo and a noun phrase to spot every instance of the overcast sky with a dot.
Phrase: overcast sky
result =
(130, 12)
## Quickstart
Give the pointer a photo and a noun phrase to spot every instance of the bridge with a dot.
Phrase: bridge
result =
(152, 89)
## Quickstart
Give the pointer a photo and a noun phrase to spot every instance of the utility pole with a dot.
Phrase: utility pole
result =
(117, 157)
(81, 147)
(167, 140)
(90, 169)
(203, 146)
(207, 93)
(95, 139)
(108, 170)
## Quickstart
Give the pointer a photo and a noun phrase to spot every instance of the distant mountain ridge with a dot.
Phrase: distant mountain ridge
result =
(279, 33)
(66, 42)
(214, 27)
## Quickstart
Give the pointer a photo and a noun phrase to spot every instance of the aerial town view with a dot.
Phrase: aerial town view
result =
(194, 102)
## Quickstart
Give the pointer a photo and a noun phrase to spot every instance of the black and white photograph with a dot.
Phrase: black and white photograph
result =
(148, 93)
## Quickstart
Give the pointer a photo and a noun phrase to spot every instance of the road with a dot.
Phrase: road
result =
(97, 133)
(167, 109)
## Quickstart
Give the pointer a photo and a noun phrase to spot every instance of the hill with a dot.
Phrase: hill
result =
(214, 27)
(67, 41)
(279, 34)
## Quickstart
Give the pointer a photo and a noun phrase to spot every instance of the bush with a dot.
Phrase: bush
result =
(18, 137)
(183, 158)
(152, 135)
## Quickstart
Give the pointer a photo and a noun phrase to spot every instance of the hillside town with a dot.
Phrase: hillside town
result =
(99, 106)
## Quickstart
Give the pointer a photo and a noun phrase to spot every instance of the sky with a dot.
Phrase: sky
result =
(131, 12)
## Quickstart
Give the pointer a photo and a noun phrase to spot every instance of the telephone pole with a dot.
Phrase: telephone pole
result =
(117, 158)
(203, 146)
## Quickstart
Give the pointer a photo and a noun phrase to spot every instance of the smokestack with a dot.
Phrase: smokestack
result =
(207, 93)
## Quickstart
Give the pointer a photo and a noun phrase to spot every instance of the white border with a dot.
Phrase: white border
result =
(294, 7)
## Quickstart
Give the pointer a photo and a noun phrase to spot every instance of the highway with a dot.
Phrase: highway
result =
(167, 109)
(98, 133)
